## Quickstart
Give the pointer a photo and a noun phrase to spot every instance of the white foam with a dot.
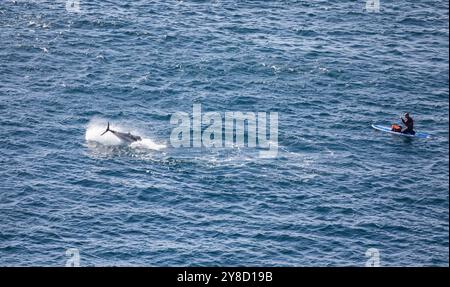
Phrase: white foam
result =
(147, 144)
(94, 130)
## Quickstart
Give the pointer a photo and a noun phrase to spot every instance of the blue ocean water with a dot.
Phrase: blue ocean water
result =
(329, 68)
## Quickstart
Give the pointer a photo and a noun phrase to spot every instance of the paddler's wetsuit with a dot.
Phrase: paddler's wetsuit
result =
(409, 126)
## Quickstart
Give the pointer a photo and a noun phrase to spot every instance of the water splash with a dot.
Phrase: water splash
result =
(96, 127)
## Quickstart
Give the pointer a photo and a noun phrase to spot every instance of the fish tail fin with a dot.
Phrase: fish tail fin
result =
(107, 129)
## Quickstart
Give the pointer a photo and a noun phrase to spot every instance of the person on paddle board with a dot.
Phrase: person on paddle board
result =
(409, 124)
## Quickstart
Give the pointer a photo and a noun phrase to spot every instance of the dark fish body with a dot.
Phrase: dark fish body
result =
(125, 137)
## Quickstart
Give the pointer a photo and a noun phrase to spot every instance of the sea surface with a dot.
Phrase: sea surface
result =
(336, 189)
